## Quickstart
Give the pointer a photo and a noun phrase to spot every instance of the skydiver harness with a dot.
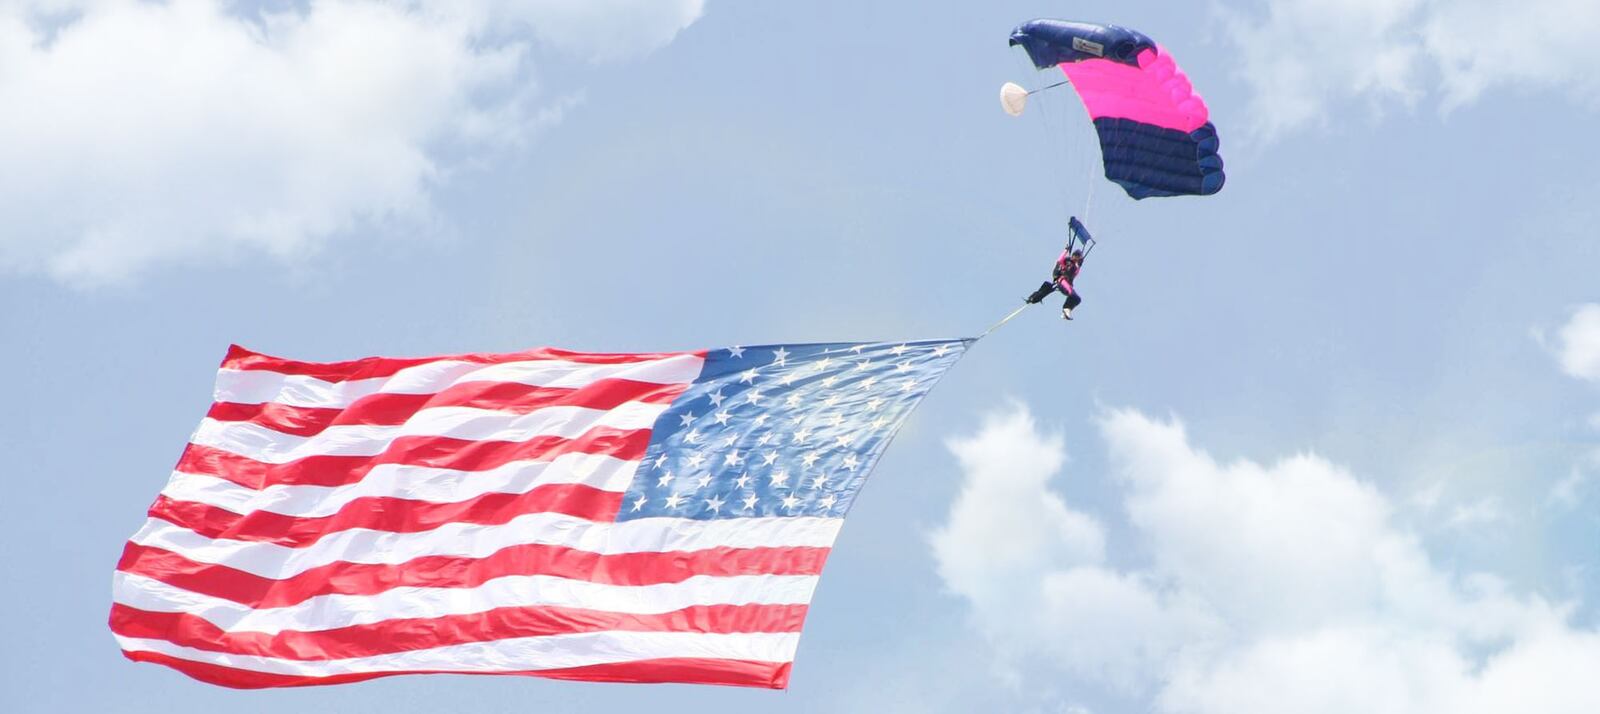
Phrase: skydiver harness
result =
(1066, 269)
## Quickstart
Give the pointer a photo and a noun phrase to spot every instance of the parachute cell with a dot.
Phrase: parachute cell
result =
(1155, 131)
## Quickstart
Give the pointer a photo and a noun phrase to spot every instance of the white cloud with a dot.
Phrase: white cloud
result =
(601, 29)
(1012, 546)
(1567, 493)
(1427, 499)
(1302, 57)
(1011, 461)
(145, 133)
(1481, 513)
(1578, 347)
(1269, 588)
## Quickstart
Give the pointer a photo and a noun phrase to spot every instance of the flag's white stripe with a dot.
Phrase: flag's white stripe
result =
(477, 541)
(327, 612)
(510, 655)
(260, 386)
(416, 483)
(678, 369)
(252, 386)
(275, 447)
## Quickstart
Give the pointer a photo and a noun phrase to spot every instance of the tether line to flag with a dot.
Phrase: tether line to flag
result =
(1002, 321)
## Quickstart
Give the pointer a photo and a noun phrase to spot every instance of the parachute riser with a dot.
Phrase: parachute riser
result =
(1078, 234)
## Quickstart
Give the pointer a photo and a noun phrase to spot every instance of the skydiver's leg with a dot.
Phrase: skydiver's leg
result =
(1071, 301)
(1045, 289)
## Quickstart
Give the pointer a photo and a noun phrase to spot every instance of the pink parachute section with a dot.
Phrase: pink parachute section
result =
(1156, 92)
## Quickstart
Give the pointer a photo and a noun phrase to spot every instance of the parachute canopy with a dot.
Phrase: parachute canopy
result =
(1155, 132)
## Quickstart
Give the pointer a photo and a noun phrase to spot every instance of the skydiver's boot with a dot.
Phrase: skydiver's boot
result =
(1066, 313)
(1038, 296)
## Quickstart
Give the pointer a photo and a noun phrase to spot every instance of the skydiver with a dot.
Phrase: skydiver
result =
(1061, 278)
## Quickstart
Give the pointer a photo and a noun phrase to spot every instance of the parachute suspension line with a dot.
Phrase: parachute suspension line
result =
(1002, 321)
(1082, 139)
(1092, 136)
(1088, 196)
(1059, 130)
(1052, 122)
(1088, 175)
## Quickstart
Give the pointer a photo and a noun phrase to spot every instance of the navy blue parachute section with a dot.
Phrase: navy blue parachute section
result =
(1147, 160)
(1051, 42)
(1155, 132)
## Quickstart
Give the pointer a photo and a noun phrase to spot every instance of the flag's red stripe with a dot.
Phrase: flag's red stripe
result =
(681, 670)
(386, 409)
(440, 571)
(402, 635)
(435, 451)
(685, 670)
(370, 367)
(394, 515)
(380, 409)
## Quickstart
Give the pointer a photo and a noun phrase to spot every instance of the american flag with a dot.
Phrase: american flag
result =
(607, 517)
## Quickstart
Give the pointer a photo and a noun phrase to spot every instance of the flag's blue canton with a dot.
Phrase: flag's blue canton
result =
(782, 430)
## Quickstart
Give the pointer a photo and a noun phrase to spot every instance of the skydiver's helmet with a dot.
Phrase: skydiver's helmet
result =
(1077, 255)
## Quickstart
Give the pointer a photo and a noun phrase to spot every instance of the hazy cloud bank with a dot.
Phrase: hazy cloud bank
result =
(1269, 587)
(1304, 59)
(145, 133)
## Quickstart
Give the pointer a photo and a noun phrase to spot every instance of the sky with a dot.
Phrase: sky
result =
(1326, 441)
